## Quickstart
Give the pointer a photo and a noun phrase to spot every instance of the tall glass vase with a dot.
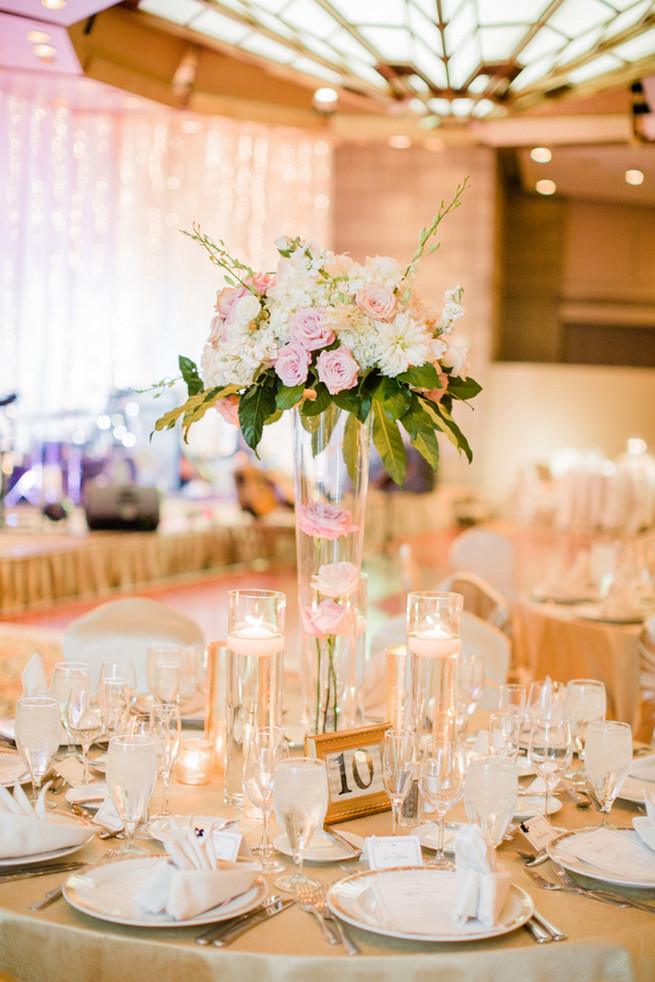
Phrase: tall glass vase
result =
(331, 455)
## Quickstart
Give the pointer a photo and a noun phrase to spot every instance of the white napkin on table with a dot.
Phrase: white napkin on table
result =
(193, 880)
(27, 830)
(482, 885)
(644, 825)
(34, 678)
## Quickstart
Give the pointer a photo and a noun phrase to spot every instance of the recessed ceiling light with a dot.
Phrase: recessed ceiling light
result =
(542, 155)
(325, 97)
(545, 187)
(38, 37)
(53, 4)
(44, 50)
(399, 142)
(634, 177)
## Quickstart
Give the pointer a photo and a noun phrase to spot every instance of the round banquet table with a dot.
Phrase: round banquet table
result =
(61, 944)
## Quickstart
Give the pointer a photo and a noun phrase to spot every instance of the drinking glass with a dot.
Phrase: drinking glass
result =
(398, 756)
(67, 675)
(166, 731)
(550, 752)
(545, 700)
(266, 748)
(114, 697)
(504, 734)
(434, 644)
(121, 670)
(84, 722)
(512, 696)
(585, 701)
(441, 783)
(300, 799)
(608, 755)
(131, 778)
(490, 795)
(165, 671)
(470, 685)
(38, 733)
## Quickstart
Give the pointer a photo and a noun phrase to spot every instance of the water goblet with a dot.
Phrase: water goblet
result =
(608, 755)
(67, 675)
(398, 755)
(121, 670)
(550, 752)
(300, 799)
(441, 783)
(166, 731)
(512, 697)
(504, 734)
(585, 701)
(265, 749)
(165, 672)
(37, 732)
(491, 794)
(470, 685)
(131, 779)
(84, 722)
(545, 700)
(114, 697)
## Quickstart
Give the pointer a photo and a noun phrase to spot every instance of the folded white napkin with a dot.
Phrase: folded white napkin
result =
(644, 825)
(193, 880)
(34, 678)
(28, 831)
(482, 885)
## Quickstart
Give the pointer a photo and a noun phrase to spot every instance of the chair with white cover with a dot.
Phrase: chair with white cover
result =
(123, 629)
(480, 598)
(477, 636)
(487, 554)
(644, 727)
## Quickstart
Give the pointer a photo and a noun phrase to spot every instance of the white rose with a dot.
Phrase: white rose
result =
(336, 580)
(247, 309)
(456, 356)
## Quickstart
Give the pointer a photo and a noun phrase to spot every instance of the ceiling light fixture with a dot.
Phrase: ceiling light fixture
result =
(542, 155)
(634, 177)
(38, 37)
(545, 187)
(44, 51)
(324, 100)
(53, 4)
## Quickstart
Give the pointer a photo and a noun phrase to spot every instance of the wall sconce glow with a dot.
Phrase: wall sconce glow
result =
(44, 50)
(38, 37)
(53, 4)
(542, 155)
(634, 177)
(399, 142)
(545, 187)
(636, 445)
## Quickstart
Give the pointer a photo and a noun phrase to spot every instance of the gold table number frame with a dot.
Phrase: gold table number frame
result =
(354, 765)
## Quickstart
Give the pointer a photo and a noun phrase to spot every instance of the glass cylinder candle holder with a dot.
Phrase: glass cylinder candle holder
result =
(195, 761)
(215, 699)
(398, 687)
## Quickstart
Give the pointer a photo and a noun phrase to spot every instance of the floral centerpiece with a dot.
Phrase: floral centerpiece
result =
(352, 350)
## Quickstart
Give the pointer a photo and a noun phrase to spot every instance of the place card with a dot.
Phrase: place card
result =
(612, 852)
(71, 770)
(538, 831)
(385, 851)
(230, 846)
(108, 816)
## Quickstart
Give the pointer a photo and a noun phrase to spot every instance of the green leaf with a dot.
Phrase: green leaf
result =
(463, 388)
(323, 432)
(443, 421)
(351, 446)
(389, 444)
(349, 400)
(421, 377)
(319, 404)
(393, 397)
(288, 396)
(190, 375)
(428, 446)
(193, 409)
(255, 407)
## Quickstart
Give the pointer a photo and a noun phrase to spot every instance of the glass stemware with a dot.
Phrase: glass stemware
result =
(265, 749)
(441, 783)
(398, 755)
(585, 701)
(67, 675)
(121, 670)
(608, 755)
(545, 700)
(131, 779)
(114, 698)
(470, 686)
(490, 795)
(84, 722)
(550, 752)
(504, 734)
(300, 799)
(165, 672)
(38, 733)
(166, 731)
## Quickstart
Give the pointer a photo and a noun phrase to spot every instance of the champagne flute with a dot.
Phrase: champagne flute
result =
(84, 722)
(166, 730)
(550, 752)
(398, 755)
(491, 794)
(441, 783)
(608, 755)
(266, 748)
(37, 732)
(504, 734)
(131, 778)
(470, 686)
(585, 701)
(300, 799)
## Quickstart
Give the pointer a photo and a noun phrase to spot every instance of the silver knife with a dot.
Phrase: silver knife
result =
(555, 933)
(218, 929)
(41, 871)
(341, 840)
(235, 932)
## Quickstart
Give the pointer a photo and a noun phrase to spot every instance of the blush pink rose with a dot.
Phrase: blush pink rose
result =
(292, 363)
(228, 298)
(308, 327)
(262, 282)
(376, 301)
(337, 369)
(228, 408)
(325, 521)
(436, 395)
(327, 618)
(336, 580)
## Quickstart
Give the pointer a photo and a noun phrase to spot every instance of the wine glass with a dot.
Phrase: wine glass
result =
(165, 672)
(131, 779)
(608, 755)
(266, 748)
(512, 697)
(114, 697)
(585, 701)
(470, 686)
(441, 783)
(490, 794)
(545, 700)
(121, 670)
(38, 733)
(166, 731)
(398, 755)
(300, 799)
(550, 752)
(84, 722)
(67, 675)
(504, 734)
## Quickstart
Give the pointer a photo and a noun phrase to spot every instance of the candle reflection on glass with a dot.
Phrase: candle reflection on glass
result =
(195, 761)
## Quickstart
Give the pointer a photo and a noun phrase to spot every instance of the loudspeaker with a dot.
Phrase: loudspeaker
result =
(126, 508)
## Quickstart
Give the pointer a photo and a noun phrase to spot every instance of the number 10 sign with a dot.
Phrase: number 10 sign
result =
(354, 765)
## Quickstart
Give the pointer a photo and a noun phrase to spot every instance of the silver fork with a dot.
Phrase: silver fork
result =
(306, 898)
(547, 885)
(567, 879)
(320, 902)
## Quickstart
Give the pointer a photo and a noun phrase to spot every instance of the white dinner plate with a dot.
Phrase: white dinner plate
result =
(12, 769)
(201, 824)
(106, 892)
(559, 850)
(355, 900)
(595, 612)
(39, 857)
(640, 776)
(322, 848)
(535, 804)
